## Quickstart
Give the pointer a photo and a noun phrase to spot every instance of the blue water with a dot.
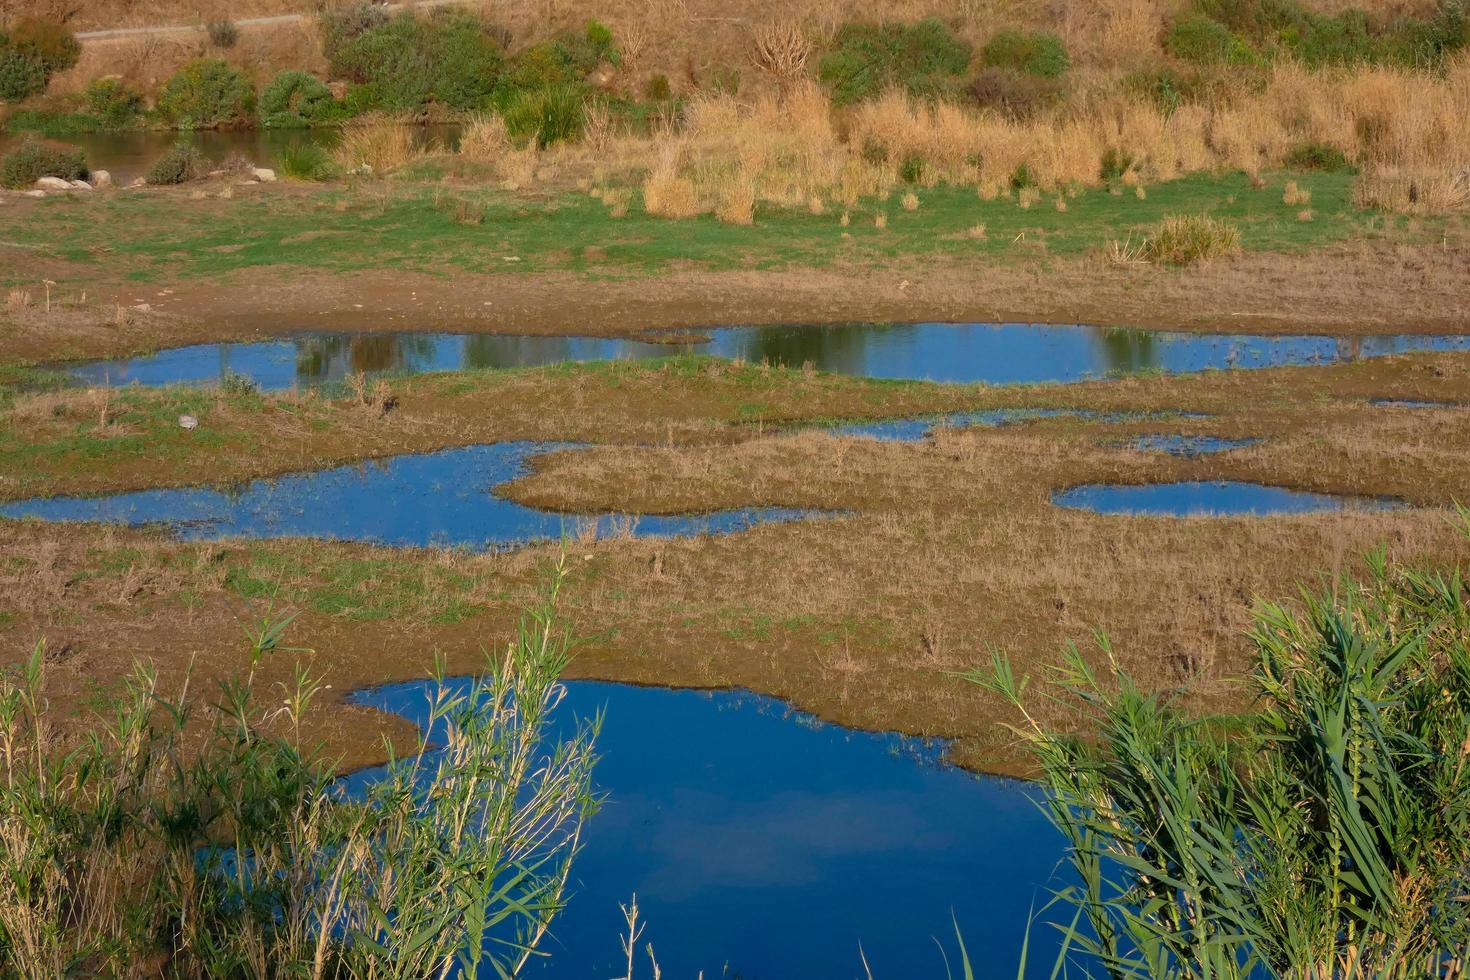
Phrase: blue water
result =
(1182, 445)
(1209, 498)
(916, 428)
(997, 353)
(1409, 403)
(442, 498)
(765, 844)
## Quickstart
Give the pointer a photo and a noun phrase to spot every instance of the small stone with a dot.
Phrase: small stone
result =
(53, 184)
(188, 422)
(101, 178)
(81, 185)
(264, 174)
(139, 182)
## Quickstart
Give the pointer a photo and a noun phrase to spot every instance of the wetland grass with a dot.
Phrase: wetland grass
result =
(200, 835)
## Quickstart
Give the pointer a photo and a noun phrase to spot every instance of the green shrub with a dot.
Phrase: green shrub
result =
(547, 115)
(47, 41)
(1022, 177)
(1205, 41)
(911, 169)
(566, 59)
(1168, 88)
(306, 161)
(179, 165)
(657, 87)
(1190, 238)
(1115, 163)
(924, 59)
(112, 101)
(207, 93)
(295, 99)
(1013, 93)
(1038, 53)
(21, 75)
(340, 26)
(1327, 823)
(405, 63)
(1349, 37)
(32, 160)
(1317, 156)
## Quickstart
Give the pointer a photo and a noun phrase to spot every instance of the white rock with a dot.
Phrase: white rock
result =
(139, 182)
(264, 174)
(53, 184)
(34, 193)
(188, 422)
(101, 178)
(81, 185)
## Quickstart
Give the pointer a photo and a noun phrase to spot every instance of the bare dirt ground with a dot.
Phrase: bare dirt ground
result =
(1355, 289)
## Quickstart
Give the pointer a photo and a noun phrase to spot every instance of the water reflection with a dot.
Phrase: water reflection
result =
(968, 352)
(442, 498)
(1210, 498)
(763, 843)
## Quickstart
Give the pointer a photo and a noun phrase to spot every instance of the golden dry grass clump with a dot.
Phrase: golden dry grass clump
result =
(376, 143)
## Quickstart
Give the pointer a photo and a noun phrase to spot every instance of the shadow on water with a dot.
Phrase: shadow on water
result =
(764, 843)
(443, 498)
(966, 352)
(1214, 498)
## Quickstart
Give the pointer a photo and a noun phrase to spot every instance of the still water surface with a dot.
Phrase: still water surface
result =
(765, 844)
(443, 498)
(996, 353)
(1214, 498)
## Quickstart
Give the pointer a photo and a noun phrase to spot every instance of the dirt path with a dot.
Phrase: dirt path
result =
(126, 32)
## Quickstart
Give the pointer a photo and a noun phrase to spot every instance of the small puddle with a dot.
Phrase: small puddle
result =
(1215, 498)
(1409, 403)
(441, 499)
(1182, 445)
(994, 353)
(764, 843)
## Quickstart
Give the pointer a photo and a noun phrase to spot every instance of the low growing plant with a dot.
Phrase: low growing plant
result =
(924, 59)
(294, 100)
(206, 94)
(179, 165)
(1189, 238)
(32, 160)
(198, 836)
(1037, 53)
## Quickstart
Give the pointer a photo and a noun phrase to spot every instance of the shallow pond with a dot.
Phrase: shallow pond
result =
(130, 154)
(442, 498)
(996, 353)
(1209, 498)
(763, 843)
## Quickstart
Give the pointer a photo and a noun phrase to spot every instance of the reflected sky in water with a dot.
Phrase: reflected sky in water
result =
(993, 353)
(764, 841)
(1209, 498)
(442, 498)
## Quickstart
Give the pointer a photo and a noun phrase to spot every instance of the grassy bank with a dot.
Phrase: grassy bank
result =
(788, 610)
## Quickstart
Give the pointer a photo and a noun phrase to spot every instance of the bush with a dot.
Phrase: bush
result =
(1012, 93)
(179, 166)
(295, 99)
(1190, 238)
(205, 94)
(657, 87)
(566, 59)
(405, 62)
(112, 102)
(1347, 38)
(1326, 823)
(344, 24)
(1038, 53)
(923, 59)
(21, 75)
(547, 115)
(32, 160)
(1317, 156)
(306, 161)
(222, 33)
(47, 41)
(1205, 41)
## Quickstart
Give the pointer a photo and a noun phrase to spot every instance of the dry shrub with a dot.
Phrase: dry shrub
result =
(1293, 195)
(881, 221)
(668, 194)
(781, 48)
(910, 201)
(598, 127)
(737, 202)
(1412, 191)
(376, 143)
(484, 139)
(517, 168)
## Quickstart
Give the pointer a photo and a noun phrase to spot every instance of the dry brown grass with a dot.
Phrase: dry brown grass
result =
(376, 144)
(484, 138)
(781, 48)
